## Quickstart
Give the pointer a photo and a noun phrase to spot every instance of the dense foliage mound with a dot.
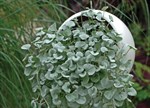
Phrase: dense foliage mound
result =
(81, 66)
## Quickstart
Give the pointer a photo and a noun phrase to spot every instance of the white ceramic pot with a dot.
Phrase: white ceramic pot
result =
(117, 25)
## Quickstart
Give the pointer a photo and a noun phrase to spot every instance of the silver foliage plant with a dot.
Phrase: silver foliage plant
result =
(80, 66)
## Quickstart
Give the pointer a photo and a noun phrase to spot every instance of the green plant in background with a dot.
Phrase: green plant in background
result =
(141, 26)
(142, 86)
(81, 66)
(14, 89)
(18, 18)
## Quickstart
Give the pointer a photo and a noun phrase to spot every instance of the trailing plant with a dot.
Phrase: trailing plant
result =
(79, 66)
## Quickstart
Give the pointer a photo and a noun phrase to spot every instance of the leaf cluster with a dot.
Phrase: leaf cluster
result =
(80, 66)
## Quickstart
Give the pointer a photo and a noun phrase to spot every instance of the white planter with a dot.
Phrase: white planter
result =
(117, 25)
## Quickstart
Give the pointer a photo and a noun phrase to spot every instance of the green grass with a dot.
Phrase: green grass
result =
(14, 87)
(18, 19)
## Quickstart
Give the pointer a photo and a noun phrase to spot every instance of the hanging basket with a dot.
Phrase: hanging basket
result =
(86, 63)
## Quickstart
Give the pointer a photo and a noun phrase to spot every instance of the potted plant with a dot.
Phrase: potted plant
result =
(86, 63)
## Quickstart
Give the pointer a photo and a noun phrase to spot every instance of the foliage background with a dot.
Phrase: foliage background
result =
(18, 18)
